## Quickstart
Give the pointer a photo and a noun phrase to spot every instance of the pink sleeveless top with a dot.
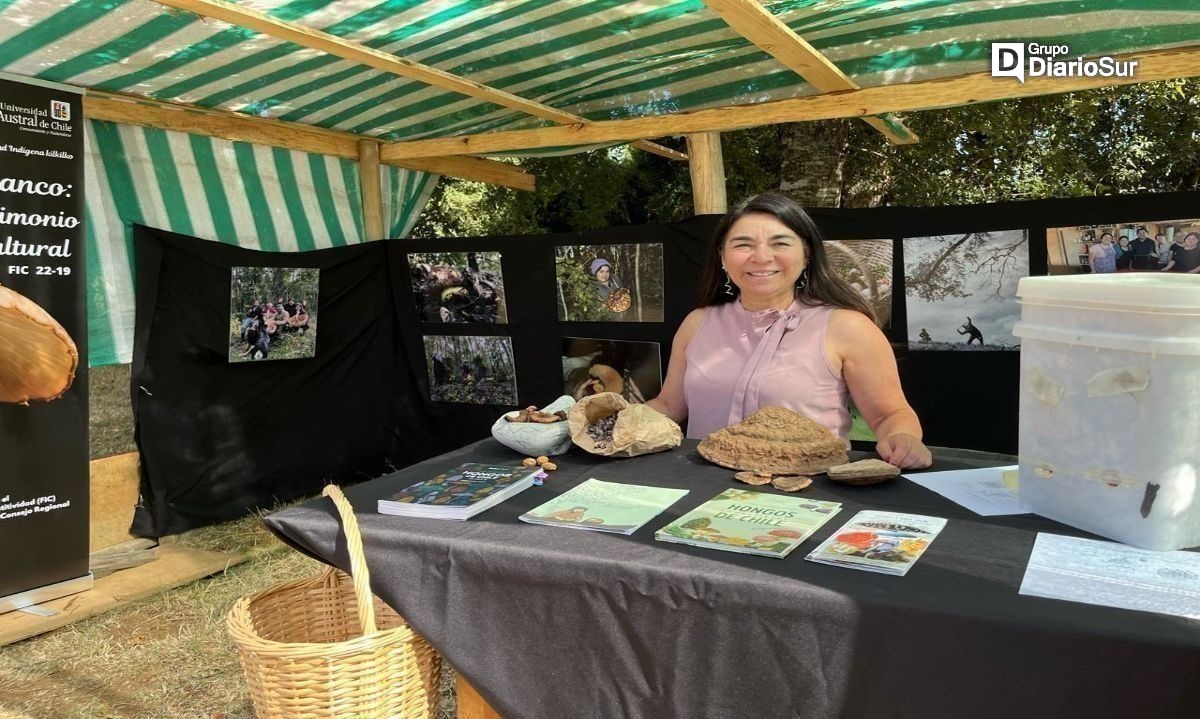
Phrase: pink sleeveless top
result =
(740, 361)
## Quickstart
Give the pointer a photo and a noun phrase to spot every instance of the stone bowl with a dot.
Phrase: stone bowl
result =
(532, 439)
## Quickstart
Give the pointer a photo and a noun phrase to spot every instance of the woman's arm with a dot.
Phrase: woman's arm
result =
(856, 347)
(670, 401)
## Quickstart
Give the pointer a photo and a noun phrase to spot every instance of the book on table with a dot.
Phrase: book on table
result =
(749, 522)
(459, 493)
(885, 542)
(604, 506)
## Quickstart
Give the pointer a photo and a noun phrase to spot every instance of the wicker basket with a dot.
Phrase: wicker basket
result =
(312, 647)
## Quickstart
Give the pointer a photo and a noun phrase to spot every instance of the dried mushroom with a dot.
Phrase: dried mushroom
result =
(775, 440)
(864, 471)
(38, 358)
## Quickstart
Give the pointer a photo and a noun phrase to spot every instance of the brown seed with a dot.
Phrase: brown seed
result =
(753, 478)
(791, 483)
(543, 459)
(529, 462)
(549, 466)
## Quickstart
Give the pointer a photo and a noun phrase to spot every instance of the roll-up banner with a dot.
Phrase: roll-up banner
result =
(43, 352)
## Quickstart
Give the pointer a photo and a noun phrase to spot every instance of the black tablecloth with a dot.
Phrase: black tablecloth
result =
(557, 623)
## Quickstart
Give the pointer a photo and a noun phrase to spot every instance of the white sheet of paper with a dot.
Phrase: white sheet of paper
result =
(980, 490)
(1114, 575)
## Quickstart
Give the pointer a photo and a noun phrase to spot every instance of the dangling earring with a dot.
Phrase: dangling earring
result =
(802, 280)
(728, 284)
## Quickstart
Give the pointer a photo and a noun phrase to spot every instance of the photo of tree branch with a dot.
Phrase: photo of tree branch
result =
(610, 283)
(961, 290)
(273, 313)
(471, 369)
(458, 286)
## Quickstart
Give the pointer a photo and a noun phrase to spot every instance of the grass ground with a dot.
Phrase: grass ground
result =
(166, 656)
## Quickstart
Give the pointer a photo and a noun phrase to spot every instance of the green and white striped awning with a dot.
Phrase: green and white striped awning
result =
(597, 59)
(600, 59)
(257, 197)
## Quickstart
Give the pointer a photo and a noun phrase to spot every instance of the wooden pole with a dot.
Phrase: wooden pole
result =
(471, 705)
(708, 173)
(372, 192)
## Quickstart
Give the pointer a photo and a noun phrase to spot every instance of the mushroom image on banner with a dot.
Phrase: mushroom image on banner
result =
(37, 357)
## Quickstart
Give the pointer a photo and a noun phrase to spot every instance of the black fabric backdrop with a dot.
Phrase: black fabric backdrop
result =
(363, 401)
(218, 439)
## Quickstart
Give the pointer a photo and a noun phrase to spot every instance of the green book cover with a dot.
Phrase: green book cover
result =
(749, 522)
(604, 506)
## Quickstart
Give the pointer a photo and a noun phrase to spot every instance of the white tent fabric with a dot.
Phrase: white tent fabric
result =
(253, 196)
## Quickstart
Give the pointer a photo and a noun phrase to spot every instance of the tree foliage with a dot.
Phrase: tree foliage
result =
(1137, 138)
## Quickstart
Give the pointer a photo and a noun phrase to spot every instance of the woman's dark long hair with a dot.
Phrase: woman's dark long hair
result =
(822, 285)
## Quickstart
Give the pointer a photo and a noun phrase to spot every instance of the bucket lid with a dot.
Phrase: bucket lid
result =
(1144, 291)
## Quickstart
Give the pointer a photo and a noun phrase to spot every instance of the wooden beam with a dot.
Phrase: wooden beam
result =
(131, 110)
(660, 150)
(261, 22)
(477, 169)
(707, 166)
(756, 23)
(372, 189)
(926, 95)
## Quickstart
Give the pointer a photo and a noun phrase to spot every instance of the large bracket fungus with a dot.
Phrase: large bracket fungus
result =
(38, 358)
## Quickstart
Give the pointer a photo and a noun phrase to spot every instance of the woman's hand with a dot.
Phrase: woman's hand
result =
(905, 451)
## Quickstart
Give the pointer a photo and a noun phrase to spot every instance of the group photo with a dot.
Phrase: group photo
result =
(1152, 246)
(273, 313)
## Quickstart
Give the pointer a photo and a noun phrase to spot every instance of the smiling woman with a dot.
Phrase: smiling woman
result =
(775, 326)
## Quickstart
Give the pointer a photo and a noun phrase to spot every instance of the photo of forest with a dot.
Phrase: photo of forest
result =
(961, 290)
(631, 369)
(458, 286)
(471, 369)
(273, 313)
(610, 283)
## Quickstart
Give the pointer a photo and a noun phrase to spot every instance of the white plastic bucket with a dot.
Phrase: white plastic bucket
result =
(1109, 429)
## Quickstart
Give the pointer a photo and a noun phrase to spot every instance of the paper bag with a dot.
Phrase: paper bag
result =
(638, 429)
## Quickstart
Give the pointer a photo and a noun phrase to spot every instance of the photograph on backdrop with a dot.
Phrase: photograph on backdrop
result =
(458, 286)
(961, 290)
(867, 266)
(1146, 246)
(471, 369)
(273, 313)
(610, 283)
(631, 369)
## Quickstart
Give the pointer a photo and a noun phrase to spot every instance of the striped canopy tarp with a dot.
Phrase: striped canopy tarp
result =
(256, 197)
(596, 59)
(600, 59)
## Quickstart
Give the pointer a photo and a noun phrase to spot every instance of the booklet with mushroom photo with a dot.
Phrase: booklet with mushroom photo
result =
(885, 542)
(604, 506)
(749, 522)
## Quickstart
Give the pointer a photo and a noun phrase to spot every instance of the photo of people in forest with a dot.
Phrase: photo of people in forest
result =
(631, 369)
(272, 313)
(610, 283)
(458, 286)
(961, 290)
(1148, 246)
(471, 369)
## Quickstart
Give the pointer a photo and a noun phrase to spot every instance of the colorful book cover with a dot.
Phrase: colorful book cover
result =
(887, 542)
(462, 486)
(748, 522)
(604, 506)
